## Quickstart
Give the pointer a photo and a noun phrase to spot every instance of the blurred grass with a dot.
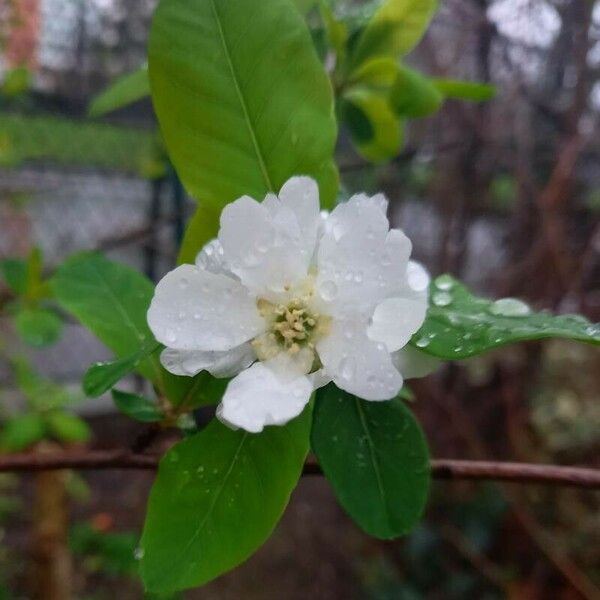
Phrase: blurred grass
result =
(74, 143)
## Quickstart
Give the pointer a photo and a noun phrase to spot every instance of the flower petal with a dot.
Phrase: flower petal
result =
(220, 364)
(301, 195)
(212, 258)
(257, 397)
(263, 246)
(193, 309)
(357, 364)
(412, 363)
(360, 262)
(395, 320)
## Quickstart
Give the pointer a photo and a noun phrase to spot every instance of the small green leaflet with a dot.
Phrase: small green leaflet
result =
(459, 325)
(137, 407)
(375, 456)
(100, 377)
(38, 326)
(124, 91)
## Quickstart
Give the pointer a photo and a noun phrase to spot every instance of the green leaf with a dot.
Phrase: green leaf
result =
(414, 95)
(394, 30)
(111, 300)
(14, 272)
(304, 5)
(465, 90)
(67, 427)
(377, 74)
(38, 326)
(137, 407)
(459, 325)
(376, 458)
(375, 129)
(217, 497)
(41, 393)
(242, 99)
(100, 377)
(336, 31)
(126, 90)
(203, 227)
(22, 431)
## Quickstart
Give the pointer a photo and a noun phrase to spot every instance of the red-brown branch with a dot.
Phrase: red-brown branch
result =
(441, 468)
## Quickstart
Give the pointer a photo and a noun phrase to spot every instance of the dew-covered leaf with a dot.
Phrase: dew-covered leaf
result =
(100, 377)
(217, 497)
(376, 458)
(459, 325)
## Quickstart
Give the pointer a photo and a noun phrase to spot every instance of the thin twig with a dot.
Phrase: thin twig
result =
(440, 468)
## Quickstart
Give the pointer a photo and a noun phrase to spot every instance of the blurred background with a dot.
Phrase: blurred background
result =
(503, 194)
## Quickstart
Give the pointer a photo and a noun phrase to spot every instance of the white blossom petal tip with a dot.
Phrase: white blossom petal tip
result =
(312, 296)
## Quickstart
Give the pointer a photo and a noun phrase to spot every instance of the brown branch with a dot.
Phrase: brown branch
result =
(440, 468)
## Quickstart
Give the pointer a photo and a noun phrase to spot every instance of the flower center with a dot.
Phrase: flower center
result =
(292, 327)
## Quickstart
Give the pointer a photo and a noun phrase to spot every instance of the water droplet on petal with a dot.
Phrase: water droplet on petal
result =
(347, 368)
(183, 283)
(328, 290)
(338, 231)
(170, 336)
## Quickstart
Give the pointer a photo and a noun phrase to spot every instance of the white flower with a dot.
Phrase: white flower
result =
(288, 299)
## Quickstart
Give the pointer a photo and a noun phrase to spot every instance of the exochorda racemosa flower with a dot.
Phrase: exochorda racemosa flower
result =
(287, 299)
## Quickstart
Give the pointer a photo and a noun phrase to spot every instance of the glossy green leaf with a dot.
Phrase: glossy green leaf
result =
(375, 129)
(414, 95)
(67, 427)
(217, 497)
(14, 272)
(242, 99)
(202, 227)
(459, 325)
(126, 90)
(38, 326)
(394, 30)
(465, 90)
(111, 300)
(102, 376)
(22, 431)
(137, 407)
(376, 458)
